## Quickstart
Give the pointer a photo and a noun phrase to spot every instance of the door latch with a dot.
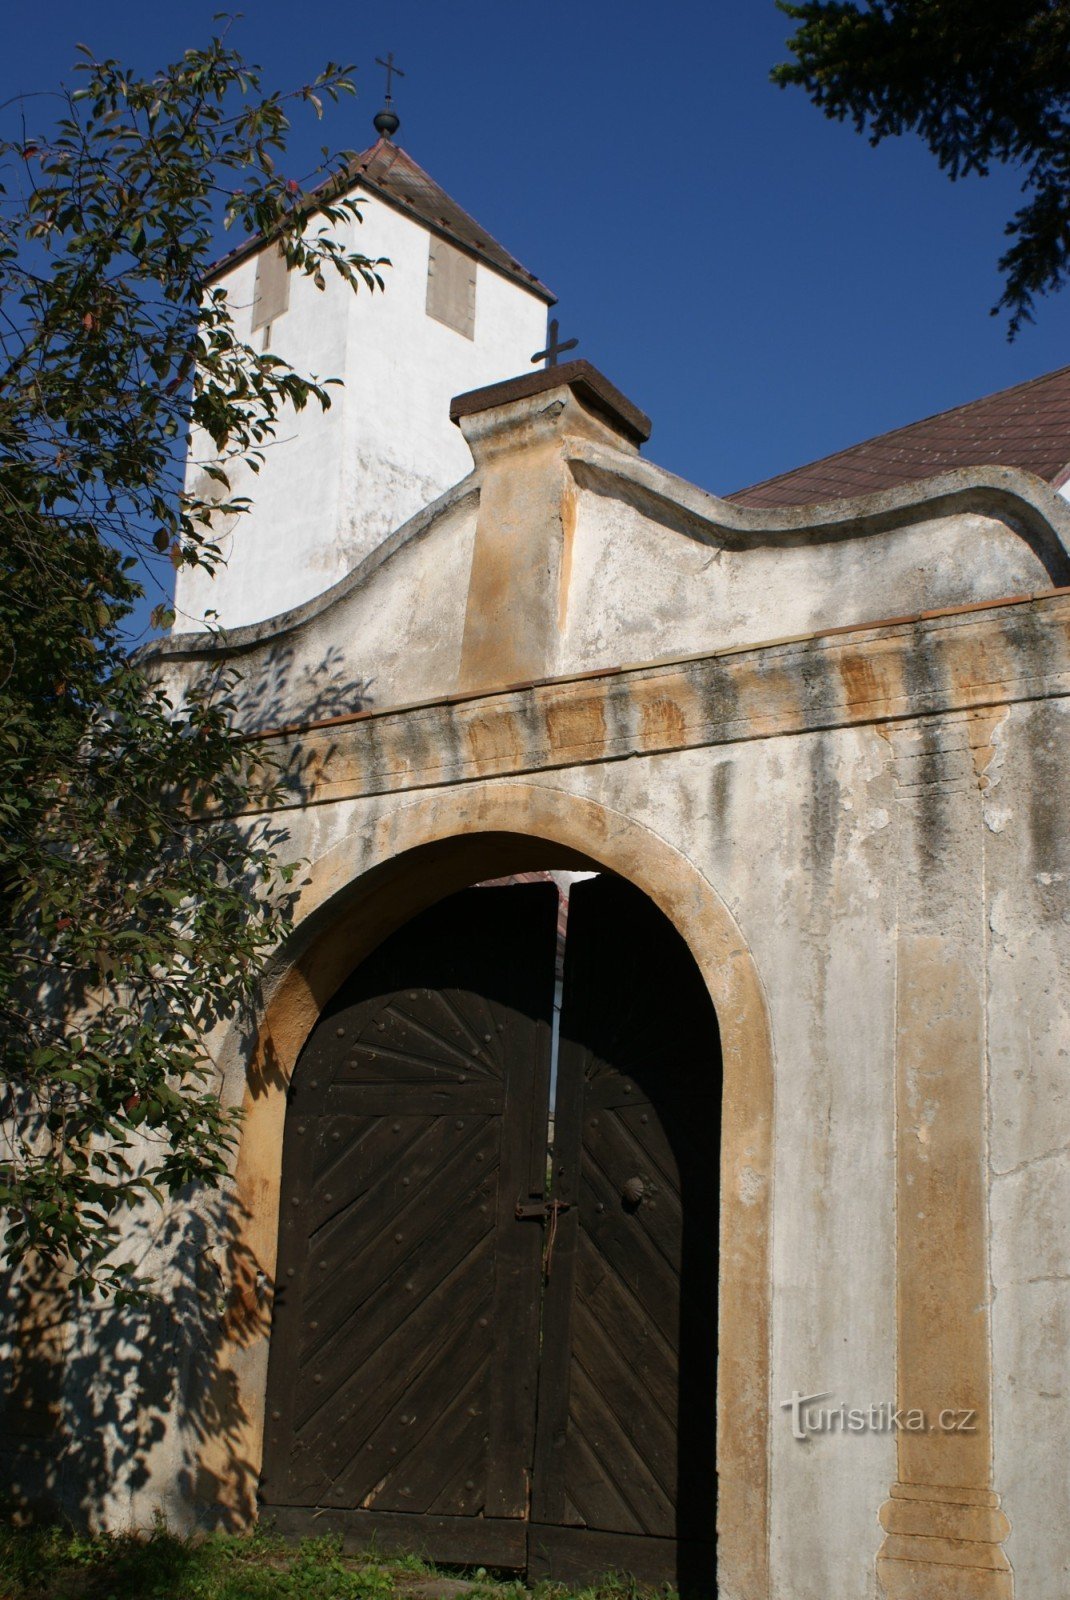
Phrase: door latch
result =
(539, 1210)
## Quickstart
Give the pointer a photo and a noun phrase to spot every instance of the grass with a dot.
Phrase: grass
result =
(55, 1564)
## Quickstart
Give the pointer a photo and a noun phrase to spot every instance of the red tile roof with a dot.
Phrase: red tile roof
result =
(391, 173)
(1027, 426)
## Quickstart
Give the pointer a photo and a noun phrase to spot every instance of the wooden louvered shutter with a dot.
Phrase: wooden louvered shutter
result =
(271, 288)
(451, 288)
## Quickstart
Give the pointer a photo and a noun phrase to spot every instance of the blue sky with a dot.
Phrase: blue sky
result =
(762, 282)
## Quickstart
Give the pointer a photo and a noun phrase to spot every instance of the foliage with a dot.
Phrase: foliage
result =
(54, 1565)
(133, 913)
(984, 82)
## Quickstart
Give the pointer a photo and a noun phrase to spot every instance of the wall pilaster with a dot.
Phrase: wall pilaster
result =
(942, 1522)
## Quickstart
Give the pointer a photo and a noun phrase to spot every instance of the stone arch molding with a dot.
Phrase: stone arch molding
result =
(416, 854)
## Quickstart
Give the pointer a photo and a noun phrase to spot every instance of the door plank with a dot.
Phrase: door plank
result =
(610, 1304)
(652, 1431)
(594, 1413)
(491, 1541)
(412, 1486)
(467, 1173)
(583, 1555)
(403, 1412)
(441, 1260)
(593, 1497)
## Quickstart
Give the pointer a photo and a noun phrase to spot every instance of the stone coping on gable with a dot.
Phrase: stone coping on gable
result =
(1030, 507)
(589, 386)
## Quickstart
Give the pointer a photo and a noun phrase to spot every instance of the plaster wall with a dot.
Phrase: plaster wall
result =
(1026, 853)
(373, 642)
(825, 845)
(879, 811)
(334, 484)
(869, 823)
(626, 580)
(644, 583)
(822, 908)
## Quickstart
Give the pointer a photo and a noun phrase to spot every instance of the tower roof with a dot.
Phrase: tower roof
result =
(390, 173)
(1026, 426)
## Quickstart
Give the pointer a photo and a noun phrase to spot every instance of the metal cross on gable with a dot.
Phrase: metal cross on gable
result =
(554, 346)
(391, 69)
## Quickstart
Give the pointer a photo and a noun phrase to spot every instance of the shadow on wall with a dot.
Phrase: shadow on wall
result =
(278, 691)
(91, 1407)
(97, 1401)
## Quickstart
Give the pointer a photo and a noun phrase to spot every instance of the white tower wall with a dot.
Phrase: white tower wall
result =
(334, 484)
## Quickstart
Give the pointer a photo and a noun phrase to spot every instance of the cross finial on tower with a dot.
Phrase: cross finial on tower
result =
(554, 346)
(386, 122)
(390, 71)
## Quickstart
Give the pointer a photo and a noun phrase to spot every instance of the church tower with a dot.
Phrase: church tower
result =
(458, 312)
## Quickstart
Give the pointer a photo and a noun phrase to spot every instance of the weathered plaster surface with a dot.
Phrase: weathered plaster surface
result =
(638, 581)
(371, 640)
(849, 794)
(1027, 917)
(639, 567)
(822, 908)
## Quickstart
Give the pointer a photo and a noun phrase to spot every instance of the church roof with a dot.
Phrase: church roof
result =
(392, 174)
(1027, 426)
(389, 172)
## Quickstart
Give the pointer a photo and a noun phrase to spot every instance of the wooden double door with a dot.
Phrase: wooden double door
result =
(487, 1346)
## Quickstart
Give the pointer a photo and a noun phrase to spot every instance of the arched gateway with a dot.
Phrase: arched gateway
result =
(496, 1305)
(659, 992)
